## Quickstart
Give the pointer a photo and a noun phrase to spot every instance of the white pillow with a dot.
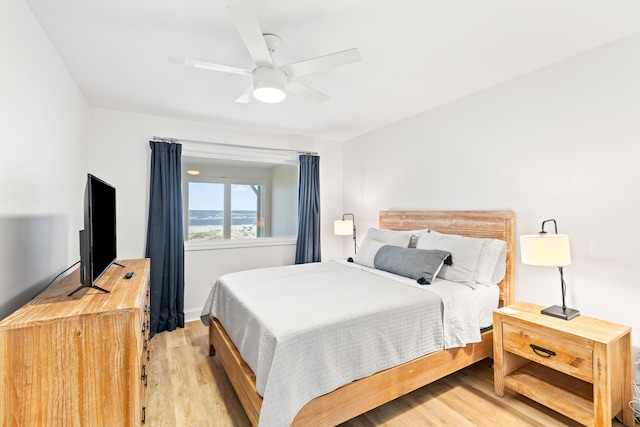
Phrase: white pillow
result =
(392, 237)
(477, 260)
(465, 254)
(492, 264)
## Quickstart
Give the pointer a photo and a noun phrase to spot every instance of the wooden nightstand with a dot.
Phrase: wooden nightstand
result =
(581, 368)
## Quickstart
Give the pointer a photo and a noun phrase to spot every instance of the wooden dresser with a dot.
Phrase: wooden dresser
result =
(79, 360)
(580, 367)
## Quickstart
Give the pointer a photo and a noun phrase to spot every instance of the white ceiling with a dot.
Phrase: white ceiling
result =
(416, 54)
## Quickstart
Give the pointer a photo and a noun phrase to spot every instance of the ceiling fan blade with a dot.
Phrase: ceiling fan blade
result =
(194, 63)
(249, 28)
(245, 98)
(320, 63)
(304, 90)
(216, 67)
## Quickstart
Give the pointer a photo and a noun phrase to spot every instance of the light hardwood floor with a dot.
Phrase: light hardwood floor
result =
(189, 388)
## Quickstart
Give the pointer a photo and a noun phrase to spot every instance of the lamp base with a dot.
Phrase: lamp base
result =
(561, 313)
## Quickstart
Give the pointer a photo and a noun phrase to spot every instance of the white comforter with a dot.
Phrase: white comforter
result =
(306, 330)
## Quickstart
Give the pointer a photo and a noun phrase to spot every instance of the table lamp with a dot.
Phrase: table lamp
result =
(549, 250)
(345, 227)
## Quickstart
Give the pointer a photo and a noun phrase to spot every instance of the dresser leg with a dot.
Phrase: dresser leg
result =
(628, 415)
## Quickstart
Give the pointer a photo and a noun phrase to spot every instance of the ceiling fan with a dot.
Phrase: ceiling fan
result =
(270, 82)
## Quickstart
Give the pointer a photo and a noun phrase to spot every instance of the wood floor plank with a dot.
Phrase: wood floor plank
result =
(189, 388)
(176, 338)
(184, 380)
(160, 406)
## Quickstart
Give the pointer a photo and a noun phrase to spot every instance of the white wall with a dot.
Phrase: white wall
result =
(562, 142)
(119, 153)
(284, 202)
(43, 121)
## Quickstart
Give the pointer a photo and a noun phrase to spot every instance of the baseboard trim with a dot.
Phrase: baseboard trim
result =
(192, 315)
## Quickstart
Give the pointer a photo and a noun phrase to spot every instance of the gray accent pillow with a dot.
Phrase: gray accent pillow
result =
(418, 264)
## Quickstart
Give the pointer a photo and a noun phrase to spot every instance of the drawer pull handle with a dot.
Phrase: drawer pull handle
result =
(543, 352)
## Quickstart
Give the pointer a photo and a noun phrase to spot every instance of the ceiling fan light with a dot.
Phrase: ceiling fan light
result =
(268, 85)
(270, 94)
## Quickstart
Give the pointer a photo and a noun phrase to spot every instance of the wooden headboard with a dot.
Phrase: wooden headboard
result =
(487, 224)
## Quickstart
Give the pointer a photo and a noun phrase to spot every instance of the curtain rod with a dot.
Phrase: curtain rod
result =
(221, 144)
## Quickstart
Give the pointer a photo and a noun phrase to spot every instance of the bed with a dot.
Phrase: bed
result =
(378, 387)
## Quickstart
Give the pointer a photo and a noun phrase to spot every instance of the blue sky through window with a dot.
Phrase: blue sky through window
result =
(207, 196)
(243, 198)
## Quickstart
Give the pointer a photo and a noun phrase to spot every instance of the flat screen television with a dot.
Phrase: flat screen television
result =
(98, 239)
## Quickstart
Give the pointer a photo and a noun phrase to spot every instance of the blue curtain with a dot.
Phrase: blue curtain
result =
(308, 245)
(165, 240)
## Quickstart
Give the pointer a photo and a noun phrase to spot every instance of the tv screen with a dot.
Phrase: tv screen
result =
(98, 239)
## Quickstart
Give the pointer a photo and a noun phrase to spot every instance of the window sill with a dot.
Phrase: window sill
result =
(209, 245)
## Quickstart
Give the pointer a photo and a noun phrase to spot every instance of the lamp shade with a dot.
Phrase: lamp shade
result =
(545, 249)
(343, 227)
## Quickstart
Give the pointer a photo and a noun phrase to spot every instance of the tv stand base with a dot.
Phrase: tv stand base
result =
(91, 286)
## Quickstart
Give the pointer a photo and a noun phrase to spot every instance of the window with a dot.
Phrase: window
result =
(206, 211)
(247, 216)
(236, 199)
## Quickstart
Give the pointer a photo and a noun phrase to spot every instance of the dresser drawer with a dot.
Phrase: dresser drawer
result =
(559, 354)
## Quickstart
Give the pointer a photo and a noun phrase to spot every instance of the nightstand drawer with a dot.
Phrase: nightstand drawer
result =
(561, 355)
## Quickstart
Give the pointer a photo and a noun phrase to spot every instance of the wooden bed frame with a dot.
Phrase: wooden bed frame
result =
(367, 393)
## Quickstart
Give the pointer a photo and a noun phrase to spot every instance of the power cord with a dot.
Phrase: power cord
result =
(635, 403)
(55, 278)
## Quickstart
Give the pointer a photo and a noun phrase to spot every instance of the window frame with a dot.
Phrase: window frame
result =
(227, 182)
(237, 153)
